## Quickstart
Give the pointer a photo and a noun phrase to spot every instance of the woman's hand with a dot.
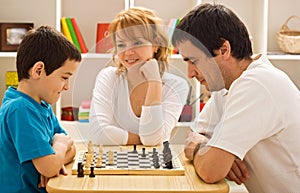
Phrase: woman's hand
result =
(150, 70)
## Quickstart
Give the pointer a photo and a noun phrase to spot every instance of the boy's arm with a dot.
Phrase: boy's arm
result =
(70, 154)
(50, 165)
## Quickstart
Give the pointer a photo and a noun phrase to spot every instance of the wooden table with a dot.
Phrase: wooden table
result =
(188, 183)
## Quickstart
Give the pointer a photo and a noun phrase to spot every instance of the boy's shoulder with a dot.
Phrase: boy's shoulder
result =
(14, 100)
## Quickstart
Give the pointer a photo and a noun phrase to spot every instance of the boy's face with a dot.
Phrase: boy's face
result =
(52, 85)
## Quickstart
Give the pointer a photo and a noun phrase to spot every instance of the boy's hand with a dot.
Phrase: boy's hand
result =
(150, 70)
(61, 139)
(190, 143)
(44, 180)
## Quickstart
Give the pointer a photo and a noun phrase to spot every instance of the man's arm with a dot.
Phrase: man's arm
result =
(213, 164)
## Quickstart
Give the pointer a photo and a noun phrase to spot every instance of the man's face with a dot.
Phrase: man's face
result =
(201, 67)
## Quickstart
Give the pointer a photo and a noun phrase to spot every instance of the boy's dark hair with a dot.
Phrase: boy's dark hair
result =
(210, 25)
(47, 45)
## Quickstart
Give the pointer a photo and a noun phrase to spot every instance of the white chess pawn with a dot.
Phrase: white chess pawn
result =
(99, 162)
(101, 150)
(110, 157)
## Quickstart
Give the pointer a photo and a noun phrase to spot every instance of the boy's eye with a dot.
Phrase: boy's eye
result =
(65, 78)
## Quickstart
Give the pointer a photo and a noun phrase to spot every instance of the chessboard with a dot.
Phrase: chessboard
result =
(150, 161)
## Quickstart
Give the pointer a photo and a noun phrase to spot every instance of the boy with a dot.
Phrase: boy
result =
(33, 145)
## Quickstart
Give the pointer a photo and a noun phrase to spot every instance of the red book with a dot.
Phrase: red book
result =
(103, 43)
(79, 36)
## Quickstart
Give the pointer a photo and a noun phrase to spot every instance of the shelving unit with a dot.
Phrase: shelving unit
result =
(260, 16)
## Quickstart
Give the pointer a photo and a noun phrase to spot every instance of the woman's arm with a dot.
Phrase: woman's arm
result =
(157, 121)
(103, 130)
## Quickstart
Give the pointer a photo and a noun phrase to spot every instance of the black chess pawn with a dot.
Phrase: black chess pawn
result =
(92, 174)
(80, 171)
(134, 149)
(154, 152)
(144, 152)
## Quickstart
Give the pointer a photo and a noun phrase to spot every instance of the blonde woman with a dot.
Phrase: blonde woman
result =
(137, 102)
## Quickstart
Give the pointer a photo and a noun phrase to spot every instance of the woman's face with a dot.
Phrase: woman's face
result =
(133, 50)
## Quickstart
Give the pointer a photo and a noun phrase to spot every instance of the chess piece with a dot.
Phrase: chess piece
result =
(110, 157)
(167, 155)
(99, 162)
(155, 160)
(101, 150)
(92, 174)
(134, 149)
(90, 147)
(80, 171)
(90, 144)
(88, 160)
(144, 152)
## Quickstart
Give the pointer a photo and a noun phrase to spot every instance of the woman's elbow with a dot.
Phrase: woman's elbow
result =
(151, 141)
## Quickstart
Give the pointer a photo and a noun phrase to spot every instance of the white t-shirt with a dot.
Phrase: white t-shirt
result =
(111, 115)
(260, 123)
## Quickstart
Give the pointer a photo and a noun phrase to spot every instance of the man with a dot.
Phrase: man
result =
(244, 119)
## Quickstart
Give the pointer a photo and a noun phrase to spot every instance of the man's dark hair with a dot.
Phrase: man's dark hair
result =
(209, 26)
(47, 45)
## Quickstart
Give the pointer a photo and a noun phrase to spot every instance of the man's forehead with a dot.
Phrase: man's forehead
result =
(189, 50)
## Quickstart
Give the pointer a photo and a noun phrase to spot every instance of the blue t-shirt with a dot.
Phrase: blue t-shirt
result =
(26, 132)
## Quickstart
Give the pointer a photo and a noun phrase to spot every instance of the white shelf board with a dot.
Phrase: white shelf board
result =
(95, 55)
(8, 54)
(283, 56)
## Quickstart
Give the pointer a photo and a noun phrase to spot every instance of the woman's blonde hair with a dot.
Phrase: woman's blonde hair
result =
(151, 26)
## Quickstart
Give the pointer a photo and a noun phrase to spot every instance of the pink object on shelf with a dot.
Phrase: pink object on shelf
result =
(86, 104)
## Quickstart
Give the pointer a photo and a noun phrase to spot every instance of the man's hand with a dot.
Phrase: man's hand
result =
(191, 142)
(239, 172)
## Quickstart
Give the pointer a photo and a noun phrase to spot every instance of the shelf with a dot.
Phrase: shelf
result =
(283, 56)
(8, 54)
(176, 56)
(96, 56)
(184, 124)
